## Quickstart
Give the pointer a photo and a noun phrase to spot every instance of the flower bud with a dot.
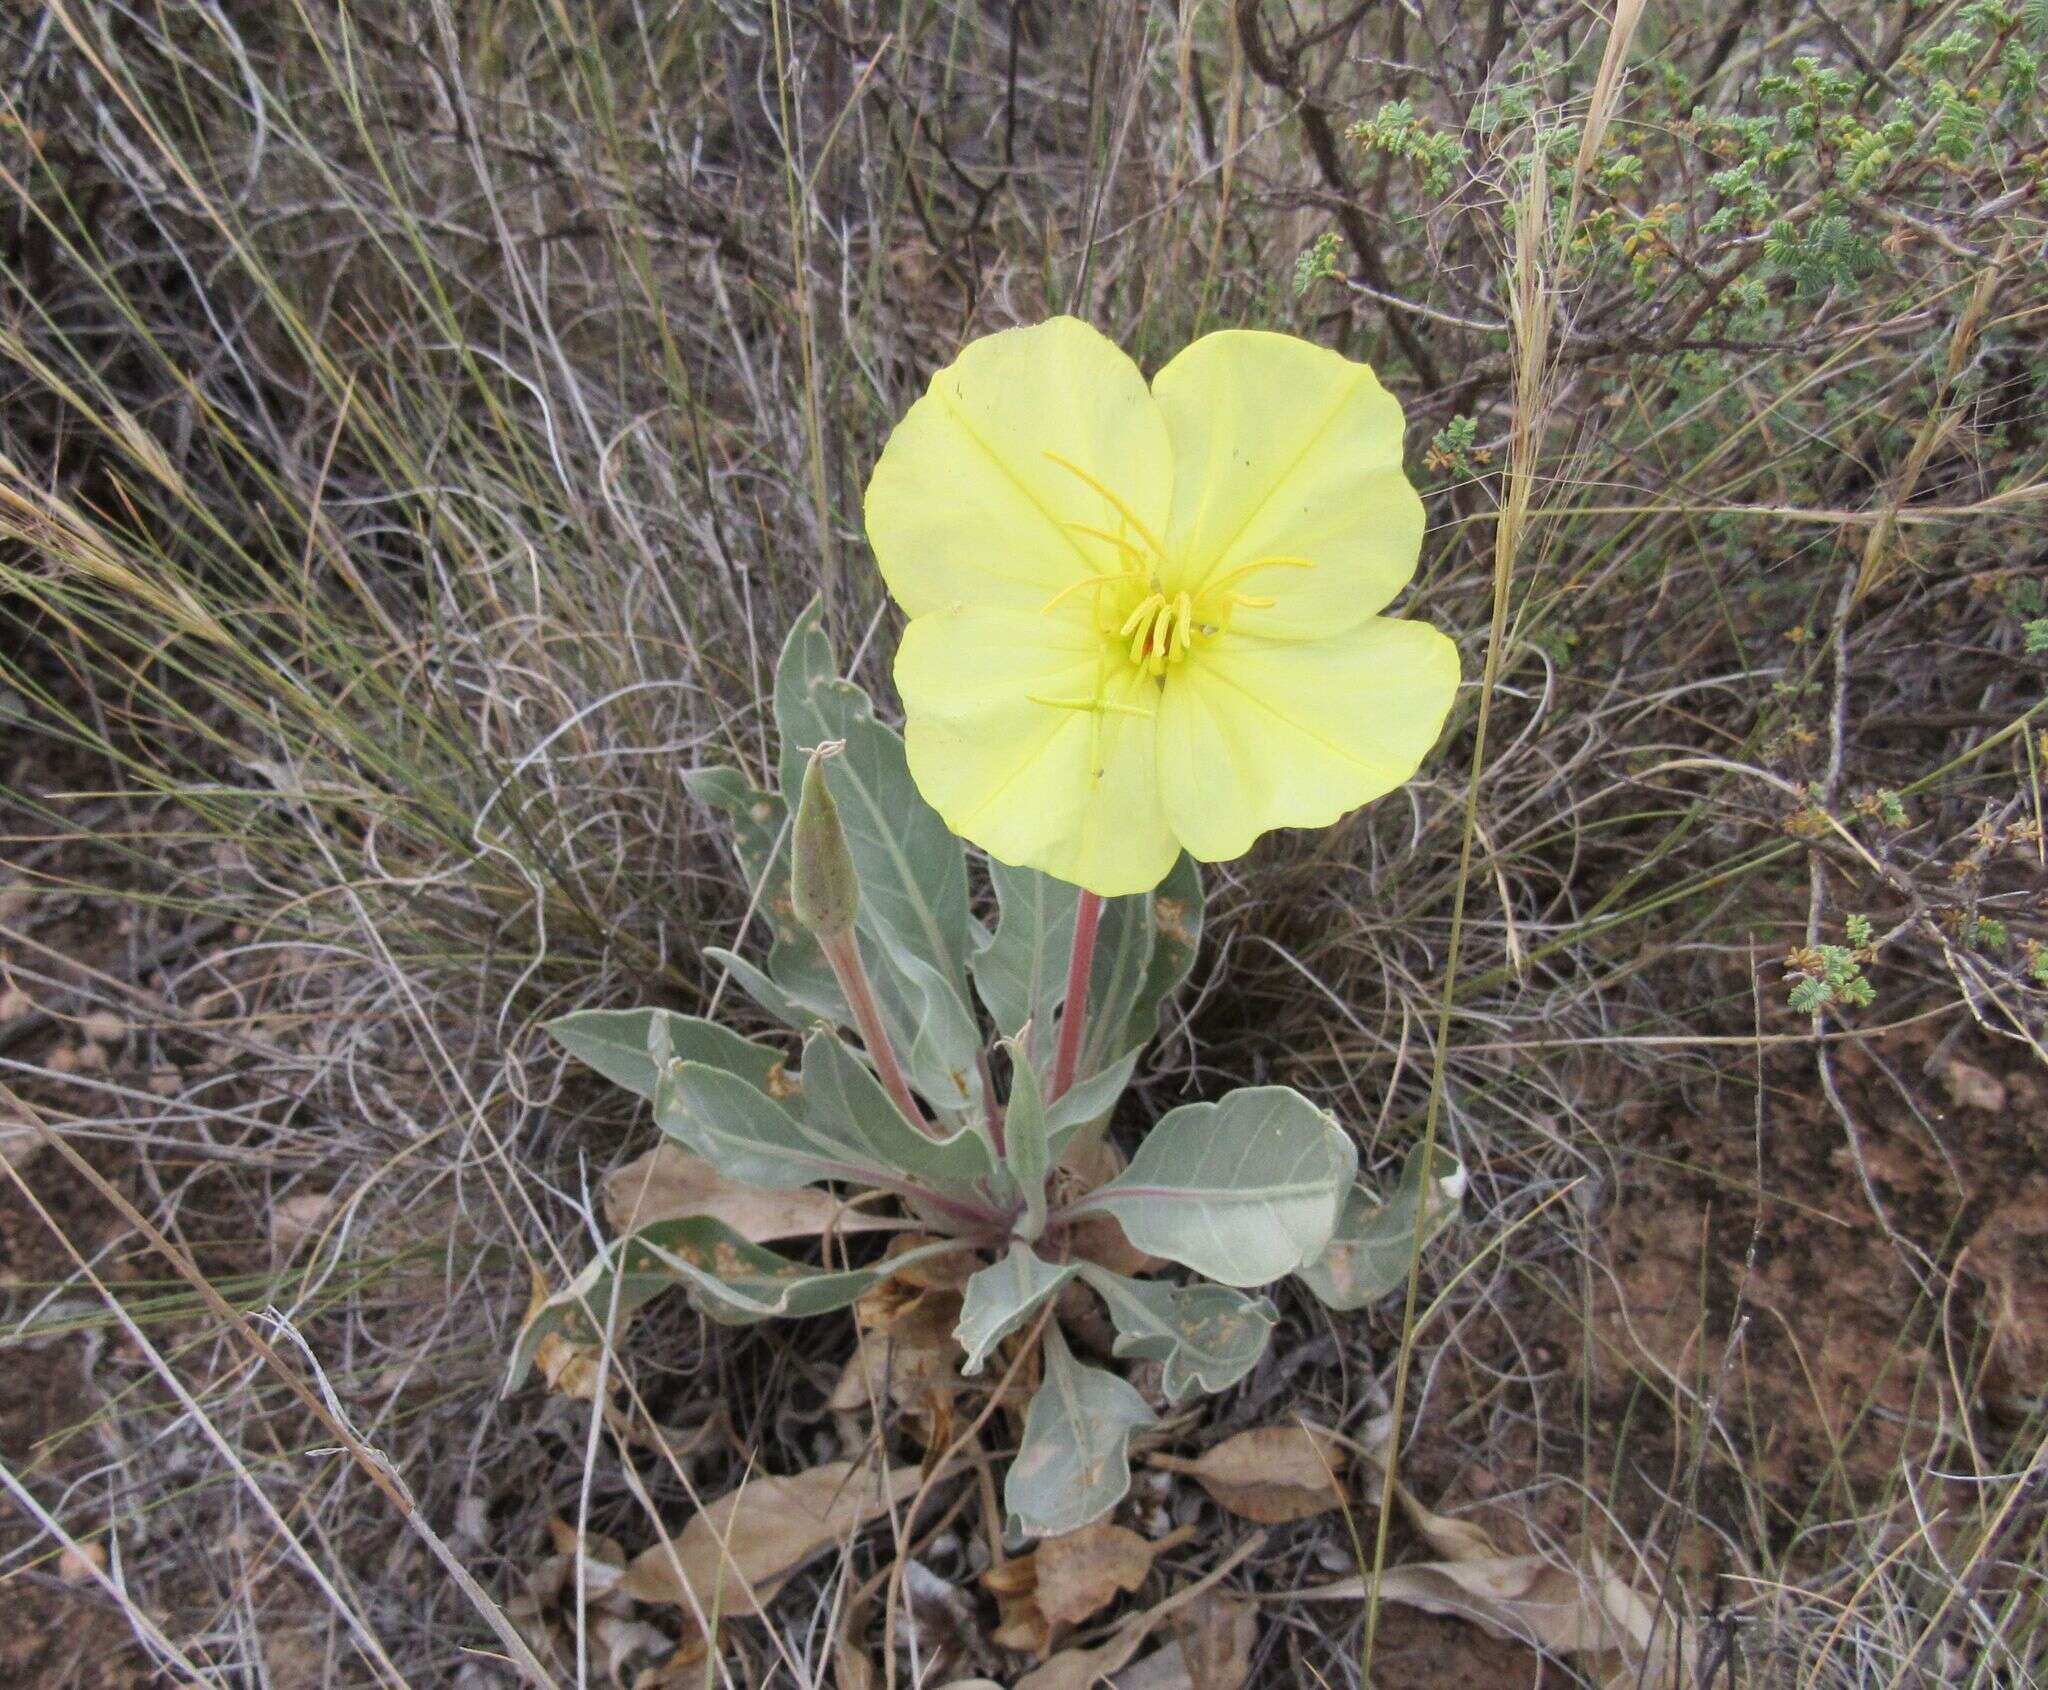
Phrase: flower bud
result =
(822, 882)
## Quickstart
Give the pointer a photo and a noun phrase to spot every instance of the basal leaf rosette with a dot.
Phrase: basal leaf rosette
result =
(1144, 620)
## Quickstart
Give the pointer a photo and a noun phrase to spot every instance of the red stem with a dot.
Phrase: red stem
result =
(852, 974)
(1074, 1018)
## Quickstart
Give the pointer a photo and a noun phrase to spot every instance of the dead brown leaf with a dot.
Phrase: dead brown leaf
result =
(1063, 1581)
(1528, 1599)
(1084, 1571)
(572, 1369)
(1215, 1641)
(1272, 1474)
(1081, 1669)
(732, 1556)
(669, 1183)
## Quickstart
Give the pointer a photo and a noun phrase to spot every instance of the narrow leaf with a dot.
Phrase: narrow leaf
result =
(733, 1281)
(1027, 1151)
(844, 1105)
(615, 1043)
(1143, 954)
(1021, 973)
(913, 872)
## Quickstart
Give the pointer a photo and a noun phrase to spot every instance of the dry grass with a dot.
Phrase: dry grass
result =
(421, 423)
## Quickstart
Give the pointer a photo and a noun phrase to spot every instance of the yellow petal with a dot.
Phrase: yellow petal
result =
(1282, 448)
(1001, 745)
(968, 505)
(1258, 734)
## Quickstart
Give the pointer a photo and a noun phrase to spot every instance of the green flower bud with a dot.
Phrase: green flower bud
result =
(822, 882)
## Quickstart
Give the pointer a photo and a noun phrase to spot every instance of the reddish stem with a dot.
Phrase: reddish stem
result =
(1074, 1018)
(852, 974)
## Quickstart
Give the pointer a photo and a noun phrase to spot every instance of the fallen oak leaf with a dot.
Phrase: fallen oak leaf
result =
(1271, 1474)
(732, 1556)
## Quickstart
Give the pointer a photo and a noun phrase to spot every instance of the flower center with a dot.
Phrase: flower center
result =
(1139, 610)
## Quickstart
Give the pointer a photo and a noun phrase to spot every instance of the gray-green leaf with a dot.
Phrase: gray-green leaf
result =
(1242, 1191)
(845, 1105)
(1208, 1336)
(913, 872)
(1001, 1297)
(615, 1043)
(1021, 973)
(1369, 1253)
(731, 1279)
(1074, 1463)
(1027, 1151)
(1143, 952)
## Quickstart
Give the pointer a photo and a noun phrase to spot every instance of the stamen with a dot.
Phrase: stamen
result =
(1123, 510)
(1059, 598)
(1225, 582)
(1090, 704)
(1122, 544)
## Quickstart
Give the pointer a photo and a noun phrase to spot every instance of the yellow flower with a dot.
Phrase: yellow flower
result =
(1147, 620)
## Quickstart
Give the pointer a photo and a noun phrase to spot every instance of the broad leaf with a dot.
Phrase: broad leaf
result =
(845, 1105)
(615, 1043)
(1242, 1191)
(1208, 1336)
(1074, 1463)
(1369, 1254)
(1001, 1297)
(913, 872)
(1021, 973)
(730, 1279)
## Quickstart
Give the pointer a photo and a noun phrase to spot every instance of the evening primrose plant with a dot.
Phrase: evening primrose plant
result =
(1144, 628)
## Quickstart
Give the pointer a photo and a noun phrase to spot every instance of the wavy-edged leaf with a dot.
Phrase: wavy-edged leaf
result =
(1074, 1463)
(1001, 1297)
(1208, 1336)
(732, 1280)
(1242, 1191)
(1368, 1255)
(913, 872)
(615, 1042)
(845, 1105)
